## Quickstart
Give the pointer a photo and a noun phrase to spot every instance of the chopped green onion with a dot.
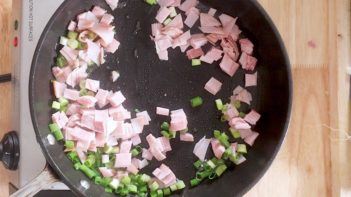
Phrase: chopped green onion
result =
(151, 2)
(212, 175)
(203, 174)
(165, 126)
(145, 178)
(61, 61)
(159, 193)
(80, 45)
(173, 187)
(184, 131)
(219, 104)
(242, 114)
(77, 166)
(55, 105)
(237, 104)
(167, 21)
(216, 134)
(154, 186)
(211, 164)
(106, 181)
(196, 101)
(90, 161)
(72, 43)
(114, 183)
(136, 110)
(58, 135)
(241, 148)
(223, 118)
(235, 133)
(180, 185)
(143, 188)
(69, 144)
(73, 156)
(195, 62)
(91, 35)
(220, 169)
(63, 40)
(153, 194)
(98, 180)
(87, 171)
(166, 134)
(166, 191)
(72, 35)
(63, 101)
(132, 188)
(172, 134)
(197, 164)
(135, 152)
(195, 182)
(108, 190)
(173, 12)
(126, 180)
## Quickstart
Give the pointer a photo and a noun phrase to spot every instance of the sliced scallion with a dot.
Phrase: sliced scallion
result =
(220, 169)
(165, 126)
(241, 148)
(55, 105)
(195, 62)
(219, 104)
(69, 144)
(196, 101)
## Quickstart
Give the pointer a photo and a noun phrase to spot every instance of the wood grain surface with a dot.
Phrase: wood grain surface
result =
(312, 162)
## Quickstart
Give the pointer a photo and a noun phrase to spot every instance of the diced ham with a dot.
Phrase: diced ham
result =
(231, 112)
(163, 43)
(87, 101)
(101, 97)
(113, 46)
(217, 148)
(177, 22)
(146, 154)
(191, 18)
(71, 94)
(106, 172)
(187, 4)
(125, 146)
(112, 3)
(100, 119)
(246, 46)
(212, 38)
(155, 147)
(239, 123)
(212, 30)
(181, 40)
(93, 52)
(165, 3)
(116, 99)
(250, 140)
(176, 3)
(235, 33)
(72, 120)
(212, 11)
(72, 26)
(163, 55)
(86, 20)
(87, 121)
(194, 53)
(228, 65)
(81, 134)
(201, 147)
(73, 108)
(228, 27)
(178, 120)
(187, 137)
(136, 140)
(143, 163)
(156, 29)
(82, 156)
(251, 79)
(137, 124)
(76, 76)
(237, 90)
(132, 169)
(123, 160)
(104, 31)
(98, 11)
(247, 62)
(208, 20)
(198, 40)
(213, 86)
(225, 19)
(162, 111)
(92, 85)
(59, 88)
(244, 96)
(172, 32)
(145, 115)
(165, 144)
(107, 19)
(60, 119)
(69, 54)
(184, 47)
(212, 55)
(252, 117)
(244, 133)
(162, 14)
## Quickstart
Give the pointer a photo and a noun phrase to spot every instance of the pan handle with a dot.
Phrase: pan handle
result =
(43, 181)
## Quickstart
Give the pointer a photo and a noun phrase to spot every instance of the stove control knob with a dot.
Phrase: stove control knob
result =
(10, 150)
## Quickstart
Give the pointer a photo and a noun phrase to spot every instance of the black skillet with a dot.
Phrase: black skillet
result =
(148, 82)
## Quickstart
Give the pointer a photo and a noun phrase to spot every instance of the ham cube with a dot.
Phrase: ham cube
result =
(113, 46)
(228, 65)
(194, 53)
(208, 20)
(246, 46)
(198, 40)
(147, 154)
(125, 146)
(72, 26)
(162, 111)
(218, 149)
(187, 4)
(252, 117)
(116, 99)
(71, 94)
(247, 62)
(98, 11)
(87, 101)
(107, 19)
(250, 140)
(101, 97)
(162, 14)
(191, 18)
(92, 85)
(112, 3)
(123, 160)
(59, 89)
(251, 79)
(187, 137)
(213, 86)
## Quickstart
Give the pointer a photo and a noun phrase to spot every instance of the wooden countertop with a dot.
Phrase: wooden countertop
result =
(312, 161)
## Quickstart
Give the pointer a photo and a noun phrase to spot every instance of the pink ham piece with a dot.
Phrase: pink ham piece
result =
(59, 89)
(132, 169)
(217, 148)
(72, 26)
(228, 65)
(229, 26)
(212, 38)
(116, 99)
(166, 146)
(247, 62)
(71, 94)
(231, 112)
(93, 52)
(123, 160)
(181, 40)
(125, 146)
(81, 134)
(146, 154)
(252, 117)
(212, 55)
(187, 4)
(212, 11)
(107, 19)
(106, 172)
(100, 117)
(238, 123)
(237, 90)
(137, 124)
(201, 147)
(76, 76)
(178, 120)
(212, 30)
(156, 29)
(208, 20)
(198, 40)
(165, 175)
(61, 74)
(192, 17)
(251, 79)
(225, 19)
(184, 47)
(246, 46)
(172, 32)
(113, 46)
(235, 33)
(162, 111)
(86, 20)
(244, 96)
(60, 119)
(145, 116)
(163, 55)
(112, 3)
(98, 11)
(250, 140)
(87, 121)
(136, 140)
(72, 120)
(155, 147)
(87, 101)
(69, 54)
(104, 31)
(187, 137)
(194, 53)
(176, 3)
(177, 22)
(92, 85)
(162, 14)
(244, 133)
(213, 86)
(73, 108)
(163, 43)
(101, 97)
(165, 3)
(143, 163)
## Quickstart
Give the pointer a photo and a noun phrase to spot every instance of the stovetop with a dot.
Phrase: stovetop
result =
(29, 18)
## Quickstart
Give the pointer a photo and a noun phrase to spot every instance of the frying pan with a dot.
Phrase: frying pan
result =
(148, 82)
